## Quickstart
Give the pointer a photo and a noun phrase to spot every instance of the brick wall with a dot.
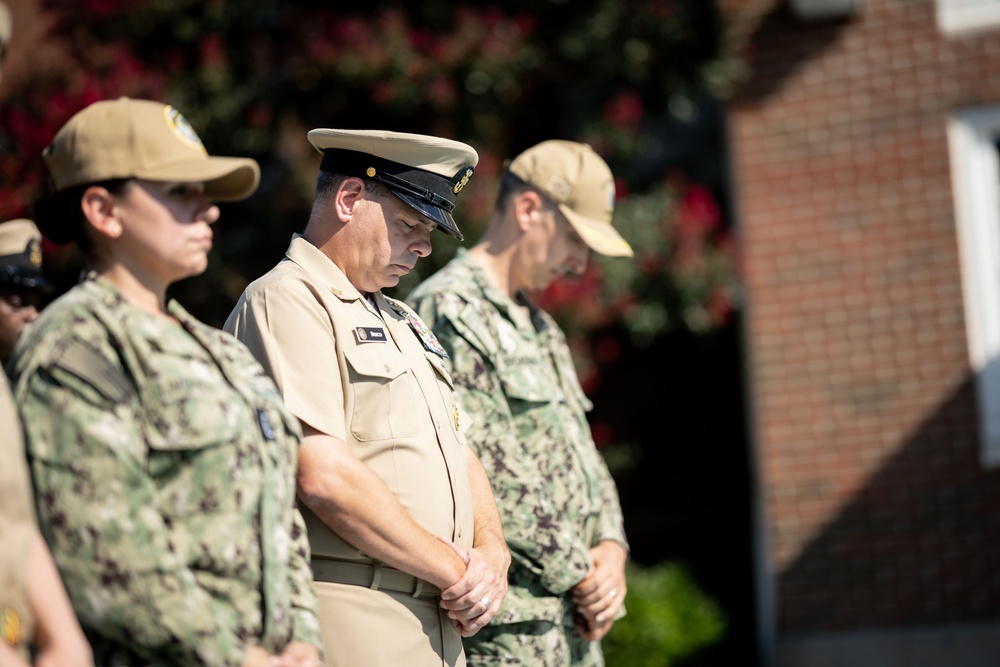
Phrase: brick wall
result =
(878, 511)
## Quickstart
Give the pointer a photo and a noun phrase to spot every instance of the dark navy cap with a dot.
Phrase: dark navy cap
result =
(21, 254)
(426, 173)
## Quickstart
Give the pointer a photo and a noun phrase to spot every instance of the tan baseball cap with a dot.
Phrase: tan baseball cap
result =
(426, 173)
(127, 138)
(580, 183)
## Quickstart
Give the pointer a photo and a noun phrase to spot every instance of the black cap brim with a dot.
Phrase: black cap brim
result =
(445, 221)
(20, 280)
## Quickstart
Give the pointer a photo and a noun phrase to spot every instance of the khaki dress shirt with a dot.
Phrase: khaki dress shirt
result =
(367, 373)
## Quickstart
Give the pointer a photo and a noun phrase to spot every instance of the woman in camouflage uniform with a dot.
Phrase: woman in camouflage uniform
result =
(162, 457)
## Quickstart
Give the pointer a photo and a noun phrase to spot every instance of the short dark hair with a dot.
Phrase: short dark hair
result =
(327, 183)
(60, 218)
(511, 186)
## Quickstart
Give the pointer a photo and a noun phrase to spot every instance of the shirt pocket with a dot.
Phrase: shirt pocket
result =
(528, 381)
(533, 397)
(198, 446)
(383, 392)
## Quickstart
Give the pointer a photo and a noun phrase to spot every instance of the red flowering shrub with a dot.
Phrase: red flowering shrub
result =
(253, 75)
(683, 274)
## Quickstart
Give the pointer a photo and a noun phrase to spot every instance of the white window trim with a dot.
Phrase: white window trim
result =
(975, 171)
(956, 16)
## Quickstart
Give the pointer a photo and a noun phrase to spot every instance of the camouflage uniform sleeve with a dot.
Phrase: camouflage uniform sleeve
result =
(98, 515)
(611, 523)
(302, 597)
(305, 623)
(539, 538)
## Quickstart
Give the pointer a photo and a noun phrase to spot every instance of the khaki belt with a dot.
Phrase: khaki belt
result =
(375, 576)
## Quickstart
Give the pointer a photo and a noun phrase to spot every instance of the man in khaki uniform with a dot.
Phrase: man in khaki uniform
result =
(408, 552)
(21, 280)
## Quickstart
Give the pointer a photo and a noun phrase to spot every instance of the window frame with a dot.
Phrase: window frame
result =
(960, 16)
(974, 146)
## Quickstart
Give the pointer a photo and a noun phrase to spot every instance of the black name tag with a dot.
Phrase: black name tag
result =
(369, 334)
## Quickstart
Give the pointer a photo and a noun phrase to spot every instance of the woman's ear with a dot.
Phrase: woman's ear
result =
(101, 211)
(346, 198)
(528, 206)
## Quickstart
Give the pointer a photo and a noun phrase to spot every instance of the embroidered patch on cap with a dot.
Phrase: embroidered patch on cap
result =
(182, 128)
(558, 188)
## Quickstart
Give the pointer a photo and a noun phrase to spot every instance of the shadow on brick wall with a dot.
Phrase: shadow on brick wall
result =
(777, 50)
(919, 544)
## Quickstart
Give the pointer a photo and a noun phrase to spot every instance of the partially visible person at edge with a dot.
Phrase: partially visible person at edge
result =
(514, 374)
(21, 281)
(162, 457)
(408, 552)
(35, 614)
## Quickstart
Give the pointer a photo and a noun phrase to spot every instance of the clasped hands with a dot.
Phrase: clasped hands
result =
(601, 593)
(473, 601)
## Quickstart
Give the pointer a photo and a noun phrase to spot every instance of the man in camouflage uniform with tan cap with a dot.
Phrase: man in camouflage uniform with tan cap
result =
(21, 280)
(515, 376)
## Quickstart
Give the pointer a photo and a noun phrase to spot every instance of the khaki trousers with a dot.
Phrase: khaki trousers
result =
(368, 628)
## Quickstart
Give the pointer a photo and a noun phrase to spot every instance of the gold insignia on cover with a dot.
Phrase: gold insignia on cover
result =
(371, 172)
(463, 181)
(35, 252)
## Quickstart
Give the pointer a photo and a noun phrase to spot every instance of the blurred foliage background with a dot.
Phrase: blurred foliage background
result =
(669, 620)
(656, 339)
